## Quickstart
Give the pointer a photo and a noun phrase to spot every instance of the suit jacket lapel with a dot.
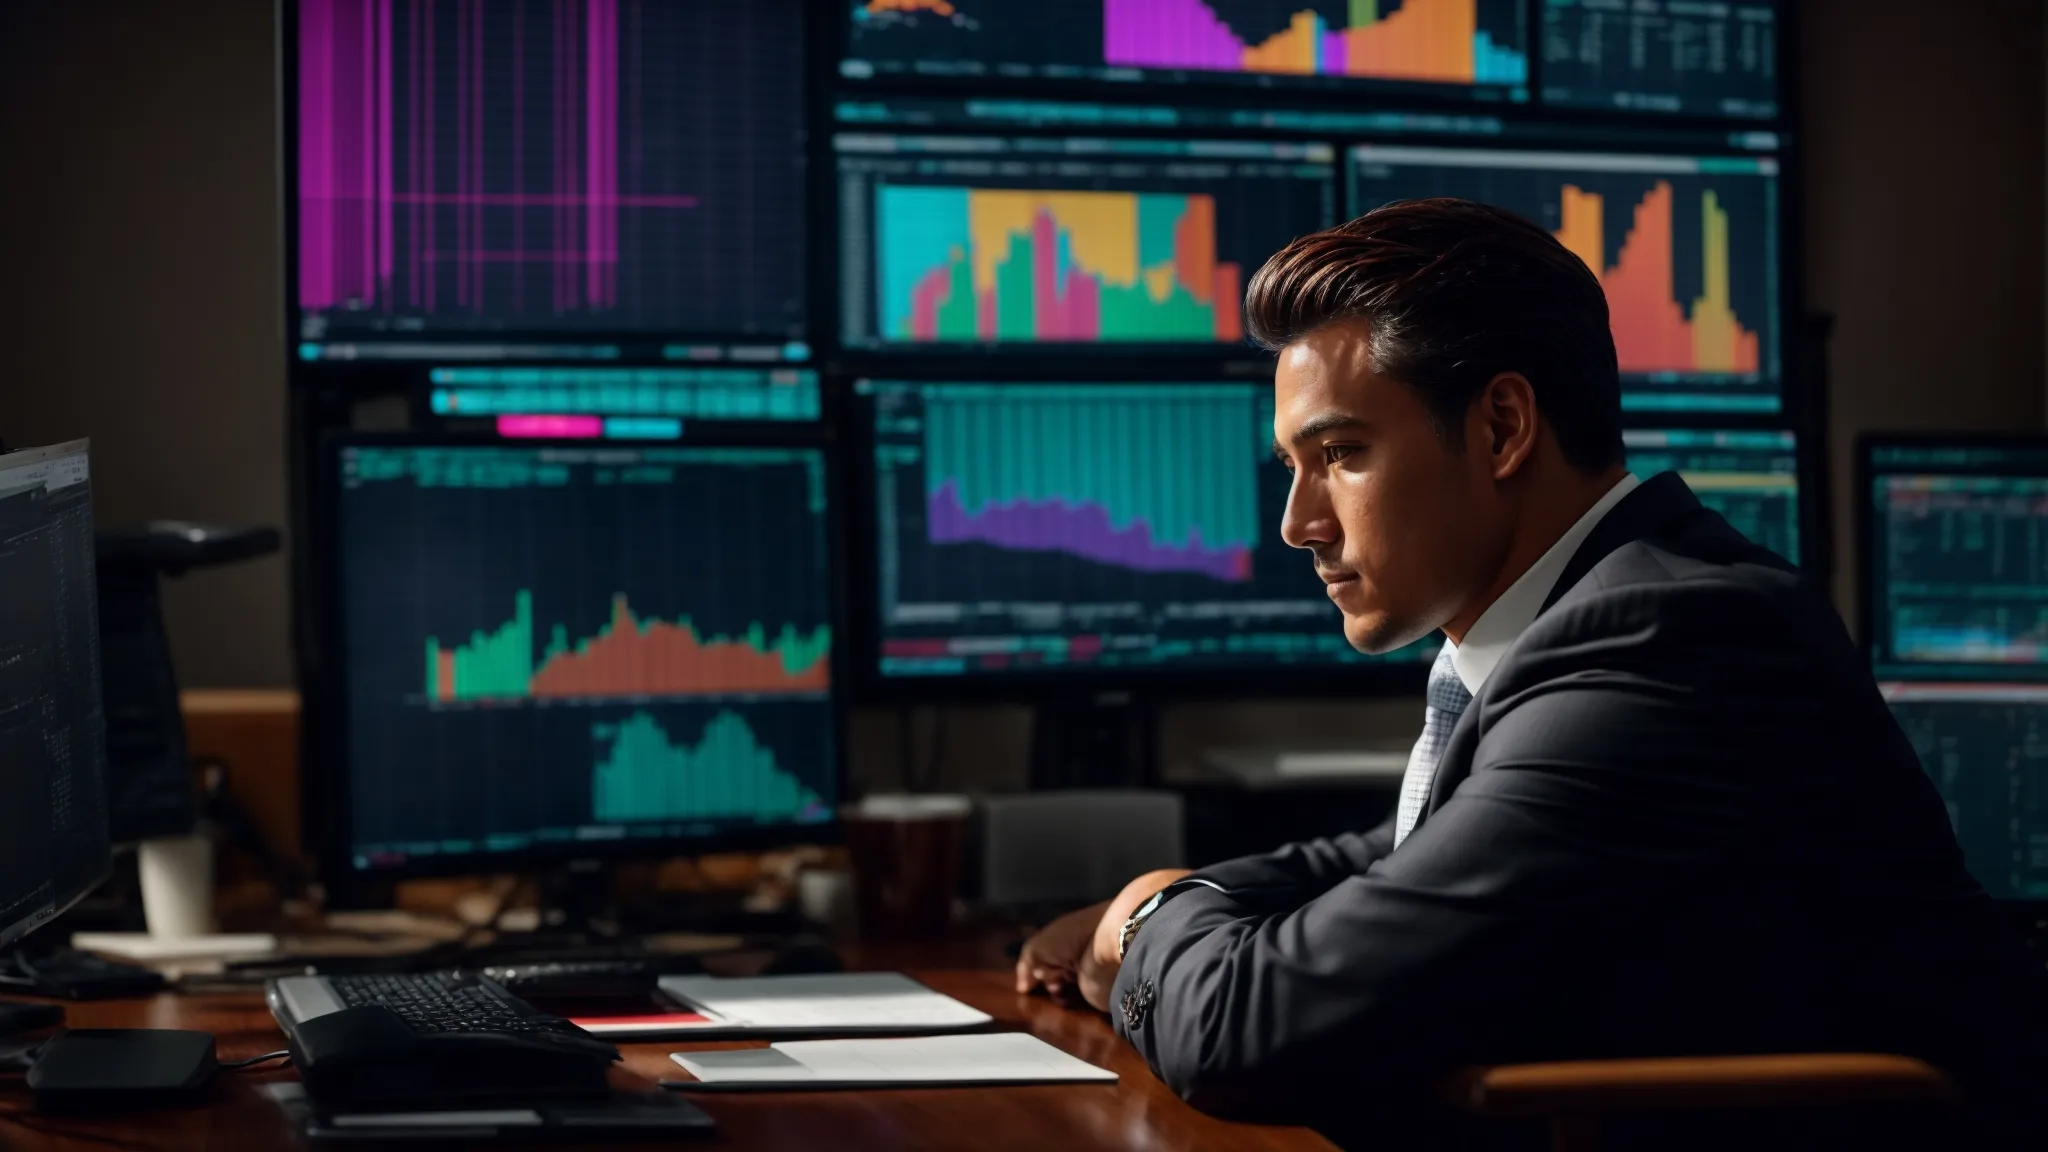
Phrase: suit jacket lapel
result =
(1655, 503)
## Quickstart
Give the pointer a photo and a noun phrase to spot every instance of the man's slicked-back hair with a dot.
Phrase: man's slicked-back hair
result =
(1452, 294)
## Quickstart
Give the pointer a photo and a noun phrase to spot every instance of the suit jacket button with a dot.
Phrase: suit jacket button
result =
(1137, 999)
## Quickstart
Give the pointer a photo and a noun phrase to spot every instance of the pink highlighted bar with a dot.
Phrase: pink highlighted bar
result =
(550, 427)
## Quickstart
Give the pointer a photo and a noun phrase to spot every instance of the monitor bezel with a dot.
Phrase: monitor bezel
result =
(1264, 682)
(326, 815)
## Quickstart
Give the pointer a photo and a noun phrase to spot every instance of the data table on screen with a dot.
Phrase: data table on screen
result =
(1750, 477)
(1961, 580)
(554, 168)
(547, 644)
(1475, 48)
(950, 241)
(1075, 527)
(1676, 56)
(1686, 248)
(1985, 746)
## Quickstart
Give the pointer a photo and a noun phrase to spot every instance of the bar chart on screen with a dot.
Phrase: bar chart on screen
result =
(640, 638)
(1047, 527)
(1685, 248)
(1003, 264)
(1479, 46)
(1075, 241)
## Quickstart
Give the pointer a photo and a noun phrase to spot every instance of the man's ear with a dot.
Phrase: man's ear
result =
(1507, 412)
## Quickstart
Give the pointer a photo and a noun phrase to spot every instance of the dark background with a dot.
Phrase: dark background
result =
(142, 299)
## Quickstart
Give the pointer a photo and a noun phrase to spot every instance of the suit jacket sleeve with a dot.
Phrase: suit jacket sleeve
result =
(1608, 768)
(1301, 871)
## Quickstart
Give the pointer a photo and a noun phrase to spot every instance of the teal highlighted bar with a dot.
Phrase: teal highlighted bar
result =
(1699, 402)
(708, 393)
(643, 428)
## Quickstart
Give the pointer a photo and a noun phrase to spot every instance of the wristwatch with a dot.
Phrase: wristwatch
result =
(1152, 904)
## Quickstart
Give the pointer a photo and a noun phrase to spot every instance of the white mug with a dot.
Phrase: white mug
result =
(177, 886)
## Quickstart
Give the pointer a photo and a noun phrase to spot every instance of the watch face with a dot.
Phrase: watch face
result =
(1150, 905)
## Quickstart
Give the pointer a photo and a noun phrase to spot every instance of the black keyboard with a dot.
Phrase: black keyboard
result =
(440, 1003)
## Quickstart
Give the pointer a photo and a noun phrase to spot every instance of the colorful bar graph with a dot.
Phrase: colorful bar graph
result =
(628, 657)
(1433, 41)
(1001, 265)
(1651, 330)
(1039, 468)
(641, 774)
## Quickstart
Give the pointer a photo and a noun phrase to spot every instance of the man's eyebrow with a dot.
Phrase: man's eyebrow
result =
(1317, 425)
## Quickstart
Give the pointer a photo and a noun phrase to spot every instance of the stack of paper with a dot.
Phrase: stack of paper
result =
(995, 1058)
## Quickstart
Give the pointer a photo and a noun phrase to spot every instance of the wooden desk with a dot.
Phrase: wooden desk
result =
(1135, 1113)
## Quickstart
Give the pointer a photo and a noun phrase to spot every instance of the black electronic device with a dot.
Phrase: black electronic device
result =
(431, 1039)
(590, 979)
(54, 844)
(1954, 604)
(642, 635)
(103, 1069)
(18, 1016)
(77, 975)
(149, 780)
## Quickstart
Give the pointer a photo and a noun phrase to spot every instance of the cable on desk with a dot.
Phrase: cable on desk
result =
(252, 1061)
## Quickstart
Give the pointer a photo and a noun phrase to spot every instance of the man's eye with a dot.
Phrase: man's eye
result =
(1335, 452)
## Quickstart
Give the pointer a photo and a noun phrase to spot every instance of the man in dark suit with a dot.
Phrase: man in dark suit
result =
(1658, 806)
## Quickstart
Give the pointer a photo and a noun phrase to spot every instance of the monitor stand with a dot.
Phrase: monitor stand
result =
(1107, 740)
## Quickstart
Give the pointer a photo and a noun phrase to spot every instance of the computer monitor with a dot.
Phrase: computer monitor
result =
(53, 790)
(1749, 476)
(534, 181)
(1687, 247)
(1476, 49)
(1662, 56)
(1088, 245)
(552, 651)
(1036, 537)
(1954, 610)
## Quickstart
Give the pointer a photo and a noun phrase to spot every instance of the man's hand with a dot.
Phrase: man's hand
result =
(1057, 954)
(1075, 955)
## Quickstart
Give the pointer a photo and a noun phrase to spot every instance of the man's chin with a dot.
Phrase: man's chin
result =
(1376, 633)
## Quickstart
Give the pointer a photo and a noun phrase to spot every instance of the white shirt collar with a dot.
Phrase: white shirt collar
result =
(1507, 618)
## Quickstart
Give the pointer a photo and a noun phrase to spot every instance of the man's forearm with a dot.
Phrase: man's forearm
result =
(1126, 902)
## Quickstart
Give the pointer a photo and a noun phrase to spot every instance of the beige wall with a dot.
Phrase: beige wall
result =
(141, 302)
(1924, 221)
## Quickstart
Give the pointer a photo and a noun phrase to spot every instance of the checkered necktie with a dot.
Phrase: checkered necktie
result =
(1447, 699)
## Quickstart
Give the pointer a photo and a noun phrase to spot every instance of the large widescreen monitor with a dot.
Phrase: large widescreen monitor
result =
(1045, 532)
(565, 649)
(54, 845)
(533, 180)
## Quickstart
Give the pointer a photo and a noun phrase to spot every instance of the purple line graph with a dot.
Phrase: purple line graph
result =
(1078, 529)
(610, 165)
